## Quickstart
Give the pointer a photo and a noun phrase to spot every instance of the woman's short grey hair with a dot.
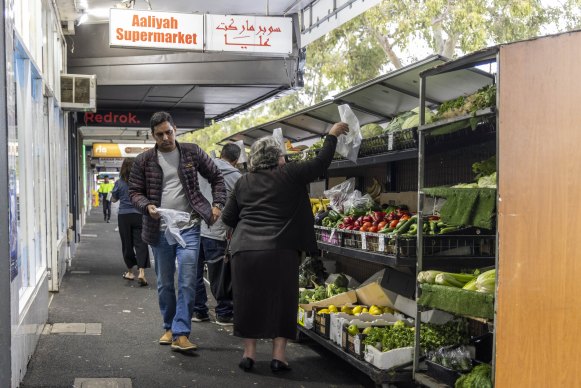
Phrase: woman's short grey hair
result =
(264, 153)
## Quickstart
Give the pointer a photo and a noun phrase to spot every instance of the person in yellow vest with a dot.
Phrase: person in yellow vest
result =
(104, 189)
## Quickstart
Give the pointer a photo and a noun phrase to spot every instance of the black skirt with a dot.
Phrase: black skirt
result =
(265, 285)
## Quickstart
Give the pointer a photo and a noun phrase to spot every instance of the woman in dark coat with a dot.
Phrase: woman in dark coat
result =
(271, 213)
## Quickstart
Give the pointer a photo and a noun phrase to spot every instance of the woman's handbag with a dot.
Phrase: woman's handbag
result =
(222, 287)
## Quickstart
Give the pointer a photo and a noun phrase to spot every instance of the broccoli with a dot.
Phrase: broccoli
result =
(320, 293)
(341, 281)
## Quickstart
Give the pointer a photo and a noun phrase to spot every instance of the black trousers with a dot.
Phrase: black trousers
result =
(106, 207)
(135, 251)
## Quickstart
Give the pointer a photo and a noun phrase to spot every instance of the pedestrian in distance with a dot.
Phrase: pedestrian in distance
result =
(270, 212)
(135, 251)
(213, 245)
(104, 189)
(166, 176)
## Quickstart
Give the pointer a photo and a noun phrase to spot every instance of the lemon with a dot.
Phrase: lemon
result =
(332, 308)
(323, 311)
(365, 310)
(346, 309)
(367, 330)
(388, 310)
(357, 309)
(375, 311)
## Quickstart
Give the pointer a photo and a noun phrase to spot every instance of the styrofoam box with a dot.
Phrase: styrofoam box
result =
(390, 359)
(408, 307)
(305, 318)
(361, 324)
(338, 320)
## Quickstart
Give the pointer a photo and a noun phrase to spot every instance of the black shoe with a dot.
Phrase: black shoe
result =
(246, 364)
(224, 320)
(279, 366)
(199, 317)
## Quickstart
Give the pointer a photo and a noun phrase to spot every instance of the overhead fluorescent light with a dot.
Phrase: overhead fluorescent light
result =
(82, 19)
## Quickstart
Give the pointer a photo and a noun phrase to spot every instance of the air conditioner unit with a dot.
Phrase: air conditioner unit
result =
(79, 92)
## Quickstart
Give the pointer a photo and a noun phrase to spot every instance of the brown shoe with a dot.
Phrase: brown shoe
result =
(182, 343)
(166, 338)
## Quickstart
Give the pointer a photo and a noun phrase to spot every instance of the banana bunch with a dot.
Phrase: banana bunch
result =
(319, 204)
(374, 190)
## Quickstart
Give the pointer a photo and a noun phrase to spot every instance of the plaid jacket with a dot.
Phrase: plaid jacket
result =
(145, 185)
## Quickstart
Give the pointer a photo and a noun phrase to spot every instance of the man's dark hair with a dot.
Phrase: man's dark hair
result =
(230, 152)
(160, 117)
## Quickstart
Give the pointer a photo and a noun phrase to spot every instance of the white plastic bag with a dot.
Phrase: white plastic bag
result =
(277, 135)
(348, 145)
(338, 194)
(109, 195)
(174, 220)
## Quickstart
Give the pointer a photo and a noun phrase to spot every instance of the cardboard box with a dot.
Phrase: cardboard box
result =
(390, 359)
(374, 294)
(344, 298)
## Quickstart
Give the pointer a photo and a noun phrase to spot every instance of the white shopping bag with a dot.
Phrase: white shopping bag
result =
(348, 145)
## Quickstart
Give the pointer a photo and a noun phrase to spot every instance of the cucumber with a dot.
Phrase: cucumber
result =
(449, 229)
(405, 227)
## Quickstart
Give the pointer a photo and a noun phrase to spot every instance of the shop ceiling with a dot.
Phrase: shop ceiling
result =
(217, 84)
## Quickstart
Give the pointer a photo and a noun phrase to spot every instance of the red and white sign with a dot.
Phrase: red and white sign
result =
(249, 34)
(164, 30)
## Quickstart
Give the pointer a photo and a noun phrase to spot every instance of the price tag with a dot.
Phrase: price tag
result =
(381, 244)
(332, 235)
(390, 141)
(357, 344)
(363, 241)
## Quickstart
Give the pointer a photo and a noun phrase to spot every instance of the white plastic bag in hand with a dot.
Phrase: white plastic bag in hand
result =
(348, 145)
(174, 220)
(277, 134)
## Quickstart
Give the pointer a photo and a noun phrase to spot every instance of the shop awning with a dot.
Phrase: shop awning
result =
(375, 101)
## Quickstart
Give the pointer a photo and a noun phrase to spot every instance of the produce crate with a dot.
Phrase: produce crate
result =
(442, 374)
(331, 236)
(444, 245)
(352, 239)
(308, 155)
(374, 242)
(396, 140)
(353, 344)
(322, 323)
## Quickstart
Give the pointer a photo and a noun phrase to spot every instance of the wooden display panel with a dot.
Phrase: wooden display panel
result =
(538, 337)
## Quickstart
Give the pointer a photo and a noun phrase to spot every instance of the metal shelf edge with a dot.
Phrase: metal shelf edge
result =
(410, 153)
(367, 256)
(441, 123)
(377, 375)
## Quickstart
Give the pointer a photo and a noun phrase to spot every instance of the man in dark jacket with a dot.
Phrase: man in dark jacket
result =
(213, 245)
(166, 176)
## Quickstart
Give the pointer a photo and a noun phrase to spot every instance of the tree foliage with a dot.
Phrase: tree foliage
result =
(396, 33)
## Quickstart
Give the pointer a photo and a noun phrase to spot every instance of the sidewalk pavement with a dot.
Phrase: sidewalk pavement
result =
(118, 325)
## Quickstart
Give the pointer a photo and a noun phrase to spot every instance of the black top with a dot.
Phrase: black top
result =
(270, 208)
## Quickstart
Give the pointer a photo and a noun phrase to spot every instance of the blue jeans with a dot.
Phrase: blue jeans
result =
(177, 313)
(211, 252)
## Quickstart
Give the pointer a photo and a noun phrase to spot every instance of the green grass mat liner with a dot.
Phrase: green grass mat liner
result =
(457, 300)
(466, 207)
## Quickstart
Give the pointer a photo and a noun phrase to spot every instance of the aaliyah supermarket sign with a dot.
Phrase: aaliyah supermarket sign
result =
(187, 31)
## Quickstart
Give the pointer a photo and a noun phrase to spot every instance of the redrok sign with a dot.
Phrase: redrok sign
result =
(111, 118)
(138, 118)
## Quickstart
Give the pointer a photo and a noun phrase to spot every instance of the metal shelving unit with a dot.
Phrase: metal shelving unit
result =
(424, 130)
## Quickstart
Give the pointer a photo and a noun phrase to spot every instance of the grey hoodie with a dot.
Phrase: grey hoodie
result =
(231, 174)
